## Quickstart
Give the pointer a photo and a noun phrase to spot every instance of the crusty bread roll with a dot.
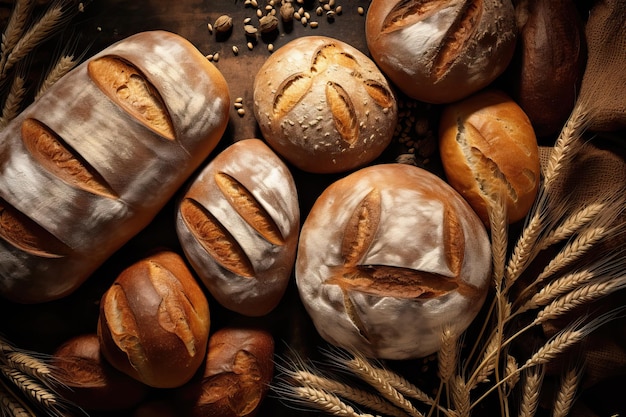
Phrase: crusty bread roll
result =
(441, 51)
(487, 146)
(388, 256)
(154, 321)
(92, 161)
(89, 381)
(238, 225)
(323, 105)
(236, 375)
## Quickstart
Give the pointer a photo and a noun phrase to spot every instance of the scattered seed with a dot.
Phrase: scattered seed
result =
(210, 27)
(360, 10)
(254, 3)
(259, 13)
(235, 49)
(314, 24)
(307, 15)
(250, 30)
(216, 56)
(239, 100)
(303, 20)
(338, 9)
(301, 11)
(209, 57)
(250, 45)
(241, 112)
(296, 16)
(319, 11)
(238, 105)
(247, 20)
(326, 7)
(270, 47)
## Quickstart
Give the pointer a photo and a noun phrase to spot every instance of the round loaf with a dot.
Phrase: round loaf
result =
(238, 225)
(441, 51)
(488, 146)
(89, 381)
(323, 105)
(388, 256)
(236, 376)
(90, 163)
(154, 322)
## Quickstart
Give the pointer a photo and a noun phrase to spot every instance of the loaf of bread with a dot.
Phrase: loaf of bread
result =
(488, 147)
(441, 51)
(92, 161)
(238, 225)
(154, 321)
(323, 105)
(89, 381)
(236, 375)
(388, 256)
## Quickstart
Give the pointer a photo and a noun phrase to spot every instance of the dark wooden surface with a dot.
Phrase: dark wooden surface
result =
(43, 327)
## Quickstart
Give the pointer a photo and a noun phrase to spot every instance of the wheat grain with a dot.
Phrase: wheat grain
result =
(578, 297)
(63, 65)
(533, 379)
(566, 394)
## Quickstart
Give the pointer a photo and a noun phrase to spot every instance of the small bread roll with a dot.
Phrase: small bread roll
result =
(238, 225)
(389, 255)
(154, 322)
(487, 146)
(323, 105)
(441, 51)
(89, 381)
(236, 376)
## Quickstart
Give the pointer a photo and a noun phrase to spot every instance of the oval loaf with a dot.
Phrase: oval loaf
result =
(92, 161)
(238, 225)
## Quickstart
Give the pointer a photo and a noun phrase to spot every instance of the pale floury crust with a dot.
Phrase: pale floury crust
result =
(387, 257)
(324, 105)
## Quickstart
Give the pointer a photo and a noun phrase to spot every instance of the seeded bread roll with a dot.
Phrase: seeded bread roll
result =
(154, 322)
(441, 51)
(389, 255)
(93, 160)
(487, 146)
(238, 225)
(236, 375)
(323, 105)
(89, 381)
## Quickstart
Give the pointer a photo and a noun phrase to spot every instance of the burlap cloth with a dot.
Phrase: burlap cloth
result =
(593, 172)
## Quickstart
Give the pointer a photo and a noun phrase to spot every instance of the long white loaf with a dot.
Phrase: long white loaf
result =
(93, 160)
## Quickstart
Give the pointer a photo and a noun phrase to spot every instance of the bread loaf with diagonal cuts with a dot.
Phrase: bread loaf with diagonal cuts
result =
(92, 161)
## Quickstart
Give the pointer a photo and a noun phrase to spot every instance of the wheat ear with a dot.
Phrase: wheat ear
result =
(15, 27)
(460, 396)
(325, 401)
(533, 380)
(566, 393)
(32, 388)
(370, 374)
(572, 224)
(46, 25)
(62, 66)
(13, 101)
(605, 269)
(341, 390)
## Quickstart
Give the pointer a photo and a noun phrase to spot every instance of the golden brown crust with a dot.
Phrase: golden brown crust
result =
(441, 51)
(154, 322)
(488, 145)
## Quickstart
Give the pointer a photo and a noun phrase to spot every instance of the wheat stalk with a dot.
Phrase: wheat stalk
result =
(566, 394)
(533, 380)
